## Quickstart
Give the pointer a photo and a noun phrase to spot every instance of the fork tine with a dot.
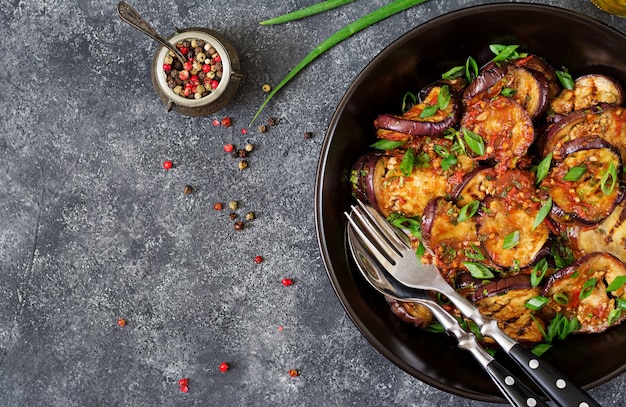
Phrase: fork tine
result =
(377, 222)
(365, 240)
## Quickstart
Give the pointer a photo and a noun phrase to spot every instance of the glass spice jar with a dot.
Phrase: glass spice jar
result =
(174, 90)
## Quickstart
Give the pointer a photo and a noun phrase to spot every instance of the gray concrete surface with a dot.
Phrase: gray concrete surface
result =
(93, 229)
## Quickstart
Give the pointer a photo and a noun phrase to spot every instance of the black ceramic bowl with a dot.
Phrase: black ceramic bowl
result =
(564, 39)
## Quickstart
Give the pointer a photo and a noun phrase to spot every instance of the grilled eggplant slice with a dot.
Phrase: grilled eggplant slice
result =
(584, 184)
(505, 300)
(589, 90)
(540, 65)
(608, 236)
(476, 186)
(580, 290)
(507, 233)
(366, 172)
(411, 124)
(606, 121)
(504, 126)
(490, 75)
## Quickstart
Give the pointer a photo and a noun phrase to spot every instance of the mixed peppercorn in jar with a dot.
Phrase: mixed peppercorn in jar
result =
(200, 75)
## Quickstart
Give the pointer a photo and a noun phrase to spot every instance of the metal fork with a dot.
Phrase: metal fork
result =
(395, 255)
(515, 391)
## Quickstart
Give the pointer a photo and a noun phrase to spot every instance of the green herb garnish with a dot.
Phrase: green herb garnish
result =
(616, 284)
(543, 168)
(543, 213)
(471, 69)
(566, 79)
(539, 272)
(474, 253)
(511, 240)
(478, 270)
(536, 303)
(384, 144)
(467, 211)
(474, 141)
(606, 185)
(587, 288)
(508, 92)
(306, 12)
(453, 73)
(367, 20)
(408, 100)
(505, 52)
(408, 161)
(575, 173)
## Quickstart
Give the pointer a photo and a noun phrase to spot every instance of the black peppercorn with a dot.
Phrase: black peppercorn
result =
(272, 121)
(188, 189)
(308, 135)
(239, 225)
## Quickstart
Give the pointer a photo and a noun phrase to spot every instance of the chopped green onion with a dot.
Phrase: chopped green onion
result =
(536, 303)
(474, 141)
(616, 284)
(435, 327)
(367, 20)
(540, 349)
(453, 73)
(405, 101)
(478, 270)
(408, 161)
(620, 304)
(539, 272)
(612, 173)
(306, 12)
(566, 79)
(443, 99)
(422, 160)
(575, 173)
(511, 240)
(543, 213)
(429, 111)
(587, 288)
(471, 69)
(474, 253)
(420, 249)
(561, 298)
(503, 52)
(544, 167)
(413, 225)
(614, 316)
(508, 92)
(384, 144)
(563, 255)
(467, 211)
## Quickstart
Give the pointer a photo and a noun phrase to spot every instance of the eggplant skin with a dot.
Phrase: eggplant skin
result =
(583, 201)
(476, 186)
(363, 176)
(410, 123)
(489, 76)
(540, 65)
(579, 291)
(411, 312)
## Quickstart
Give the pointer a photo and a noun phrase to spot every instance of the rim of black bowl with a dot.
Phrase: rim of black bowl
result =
(330, 223)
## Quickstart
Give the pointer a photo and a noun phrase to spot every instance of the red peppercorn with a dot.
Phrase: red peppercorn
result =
(244, 131)
(228, 148)
(218, 206)
(167, 67)
(214, 84)
(217, 59)
(183, 382)
(121, 322)
(167, 164)
(294, 373)
(287, 282)
(224, 367)
(206, 68)
(188, 65)
(280, 328)
(216, 122)
(258, 259)
(194, 79)
(184, 50)
(227, 121)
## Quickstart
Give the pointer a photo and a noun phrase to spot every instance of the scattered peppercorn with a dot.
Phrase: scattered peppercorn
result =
(266, 87)
(258, 259)
(227, 121)
(121, 322)
(262, 128)
(218, 206)
(244, 131)
(280, 328)
(287, 282)
(239, 226)
(250, 216)
(228, 148)
(224, 367)
(243, 165)
(272, 121)
(233, 205)
(232, 216)
(308, 135)
(188, 189)
(167, 164)
(249, 147)
(294, 373)
(183, 385)
(216, 123)
(242, 153)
